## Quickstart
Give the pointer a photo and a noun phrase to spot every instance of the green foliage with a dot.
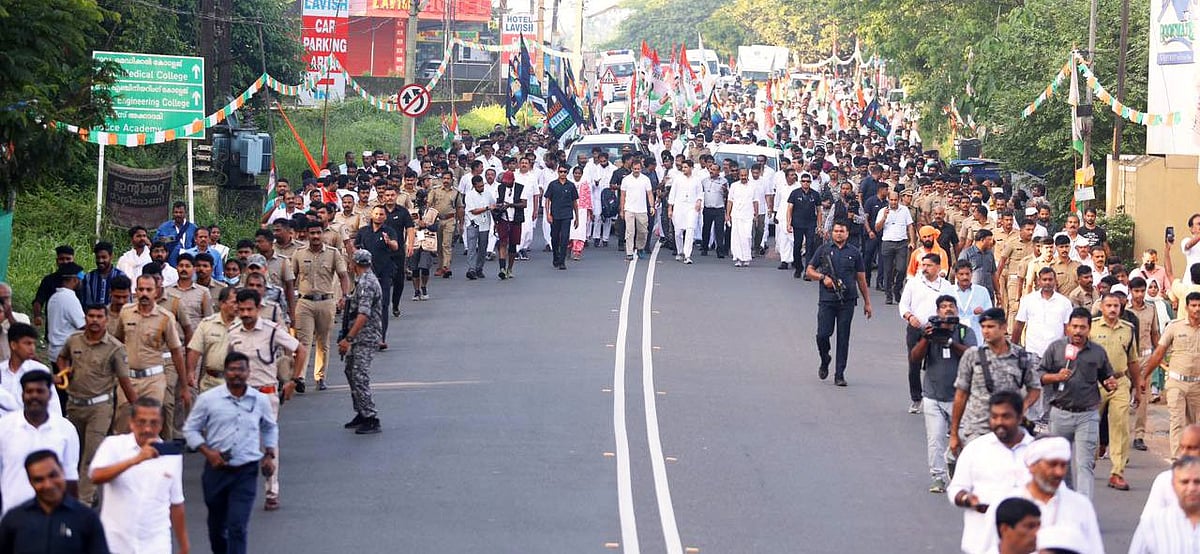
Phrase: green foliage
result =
(663, 23)
(479, 121)
(1120, 235)
(47, 73)
(38, 227)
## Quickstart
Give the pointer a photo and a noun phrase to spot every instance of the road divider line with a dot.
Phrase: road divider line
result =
(629, 538)
(662, 489)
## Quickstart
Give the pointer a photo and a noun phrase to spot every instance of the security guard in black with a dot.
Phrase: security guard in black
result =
(839, 268)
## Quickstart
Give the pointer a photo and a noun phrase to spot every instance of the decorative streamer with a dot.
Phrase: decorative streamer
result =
(1120, 109)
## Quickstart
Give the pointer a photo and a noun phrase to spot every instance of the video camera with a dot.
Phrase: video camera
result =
(942, 328)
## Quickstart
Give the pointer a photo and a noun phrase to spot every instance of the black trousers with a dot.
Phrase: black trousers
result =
(911, 337)
(385, 282)
(831, 316)
(714, 220)
(560, 236)
(803, 236)
(397, 284)
(870, 253)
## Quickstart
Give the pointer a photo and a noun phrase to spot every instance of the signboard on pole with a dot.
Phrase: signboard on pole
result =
(413, 100)
(325, 33)
(156, 92)
(1173, 77)
(138, 196)
(515, 25)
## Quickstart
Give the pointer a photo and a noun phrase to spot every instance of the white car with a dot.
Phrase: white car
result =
(613, 143)
(747, 155)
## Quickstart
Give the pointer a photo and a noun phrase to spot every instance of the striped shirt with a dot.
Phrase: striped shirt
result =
(1167, 531)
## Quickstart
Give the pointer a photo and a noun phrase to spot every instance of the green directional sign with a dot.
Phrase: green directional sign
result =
(156, 93)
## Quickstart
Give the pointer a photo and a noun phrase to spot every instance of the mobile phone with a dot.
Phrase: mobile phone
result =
(982, 508)
(1170, 233)
(168, 448)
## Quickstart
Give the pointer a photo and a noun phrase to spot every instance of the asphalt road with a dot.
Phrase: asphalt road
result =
(504, 432)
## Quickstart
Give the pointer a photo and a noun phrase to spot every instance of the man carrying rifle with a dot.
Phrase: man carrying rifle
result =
(838, 266)
(362, 329)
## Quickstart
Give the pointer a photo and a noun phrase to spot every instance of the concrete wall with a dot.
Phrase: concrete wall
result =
(1155, 191)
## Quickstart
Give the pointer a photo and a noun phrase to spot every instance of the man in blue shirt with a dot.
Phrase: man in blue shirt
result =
(95, 283)
(203, 245)
(178, 233)
(234, 428)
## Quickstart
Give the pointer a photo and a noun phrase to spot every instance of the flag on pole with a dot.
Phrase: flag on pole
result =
(519, 75)
(875, 120)
(627, 122)
(1076, 122)
(269, 205)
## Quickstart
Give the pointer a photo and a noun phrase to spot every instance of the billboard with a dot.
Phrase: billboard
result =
(1172, 78)
(515, 25)
(464, 10)
(326, 32)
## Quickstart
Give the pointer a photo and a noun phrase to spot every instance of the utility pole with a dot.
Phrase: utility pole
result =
(540, 17)
(408, 129)
(1118, 122)
(1085, 110)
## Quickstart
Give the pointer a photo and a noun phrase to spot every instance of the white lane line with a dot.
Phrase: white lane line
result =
(629, 538)
(662, 490)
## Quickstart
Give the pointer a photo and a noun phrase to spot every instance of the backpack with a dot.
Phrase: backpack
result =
(609, 205)
(985, 367)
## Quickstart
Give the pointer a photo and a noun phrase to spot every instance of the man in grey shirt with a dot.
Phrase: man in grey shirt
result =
(939, 349)
(981, 255)
(1072, 369)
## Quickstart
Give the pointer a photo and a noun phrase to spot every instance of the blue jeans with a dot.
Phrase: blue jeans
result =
(937, 435)
(1083, 430)
(229, 496)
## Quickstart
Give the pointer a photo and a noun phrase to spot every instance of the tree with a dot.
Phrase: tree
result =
(663, 23)
(48, 74)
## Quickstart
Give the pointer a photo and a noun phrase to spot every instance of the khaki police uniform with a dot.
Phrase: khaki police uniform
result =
(318, 281)
(172, 417)
(211, 340)
(1083, 298)
(279, 270)
(95, 368)
(1182, 390)
(1068, 280)
(1120, 343)
(146, 337)
(447, 202)
(264, 345)
(291, 249)
(1147, 323)
(1017, 255)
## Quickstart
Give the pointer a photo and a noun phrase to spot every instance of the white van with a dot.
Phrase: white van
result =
(613, 143)
(747, 155)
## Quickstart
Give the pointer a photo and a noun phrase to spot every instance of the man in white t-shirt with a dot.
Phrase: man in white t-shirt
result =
(637, 200)
(143, 486)
(531, 180)
(1042, 314)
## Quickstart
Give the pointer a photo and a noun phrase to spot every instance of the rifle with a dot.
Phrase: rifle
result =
(839, 288)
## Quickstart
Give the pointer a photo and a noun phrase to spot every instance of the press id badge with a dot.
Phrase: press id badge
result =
(945, 352)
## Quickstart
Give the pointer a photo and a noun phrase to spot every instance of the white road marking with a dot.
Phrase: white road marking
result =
(629, 537)
(407, 384)
(662, 489)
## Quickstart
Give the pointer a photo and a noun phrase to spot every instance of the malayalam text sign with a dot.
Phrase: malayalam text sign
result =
(156, 93)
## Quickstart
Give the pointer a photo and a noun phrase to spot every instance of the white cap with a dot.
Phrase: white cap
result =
(1047, 448)
(1120, 289)
(1062, 537)
(1031, 211)
(1080, 241)
(367, 153)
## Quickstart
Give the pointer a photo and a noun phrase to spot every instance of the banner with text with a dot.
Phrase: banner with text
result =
(325, 32)
(137, 196)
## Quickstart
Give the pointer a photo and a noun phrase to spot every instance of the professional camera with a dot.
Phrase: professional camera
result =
(942, 328)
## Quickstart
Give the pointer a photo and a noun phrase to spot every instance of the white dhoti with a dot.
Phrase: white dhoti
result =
(783, 243)
(684, 221)
(740, 235)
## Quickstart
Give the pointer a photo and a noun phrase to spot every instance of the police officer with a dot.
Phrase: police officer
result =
(360, 342)
(148, 330)
(837, 266)
(1014, 255)
(210, 344)
(260, 340)
(448, 202)
(96, 363)
(316, 268)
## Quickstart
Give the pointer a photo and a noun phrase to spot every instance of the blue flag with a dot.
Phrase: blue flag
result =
(519, 71)
(875, 120)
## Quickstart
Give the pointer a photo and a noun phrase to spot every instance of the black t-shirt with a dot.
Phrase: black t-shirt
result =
(874, 205)
(847, 263)
(562, 198)
(948, 237)
(1095, 236)
(372, 241)
(618, 175)
(868, 187)
(400, 221)
(804, 207)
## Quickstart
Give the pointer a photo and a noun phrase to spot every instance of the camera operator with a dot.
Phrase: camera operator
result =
(938, 351)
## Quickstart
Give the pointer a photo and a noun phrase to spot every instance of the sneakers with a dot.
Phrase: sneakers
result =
(502, 275)
(321, 385)
(300, 388)
(370, 426)
(417, 296)
(915, 407)
(839, 381)
(424, 294)
(678, 258)
(783, 266)
(470, 275)
(271, 504)
(596, 243)
(938, 486)
(629, 257)
(687, 261)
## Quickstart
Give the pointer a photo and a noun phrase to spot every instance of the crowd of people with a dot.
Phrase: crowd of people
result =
(1015, 325)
